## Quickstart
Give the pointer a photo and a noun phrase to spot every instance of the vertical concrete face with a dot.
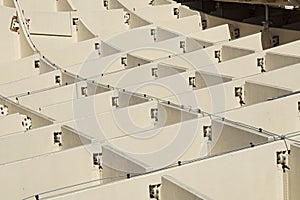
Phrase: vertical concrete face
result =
(204, 79)
(276, 61)
(19, 69)
(7, 122)
(229, 53)
(285, 36)
(133, 61)
(107, 49)
(94, 89)
(10, 46)
(136, 21)
(194, 44)
(255, 168)
(110, 23)
(127, 99)
(25, 48)
(294, 172)
(24, 180)
(37, 119)
(31, 144)
(119, 164)
(67, 79)
(32, 5)
(51, 24)
(83, 32)
(44, 67)
(163, 34)
(173, 189)
(245, 29)
(116, 175)
(63, 5)
(226, 137)
(69, 138)
(168, 115)
(256, 93)
(164, 70)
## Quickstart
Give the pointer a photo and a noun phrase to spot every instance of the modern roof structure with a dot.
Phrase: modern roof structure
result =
(149, 99)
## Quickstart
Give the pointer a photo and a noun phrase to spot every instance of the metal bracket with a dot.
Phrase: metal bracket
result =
(154, 114)
(14, 24)
(281, 157)
(75, 21)
(57, 138)
(207, 132)
(236, 33)
(151, 3)
(218, 55)
(97, 47)
(105, 4)
(37, 64)
(176, 12)
(97, 160)
(238, 92)
(124, 61)
(204, 24)
(84, 91)
(153, 33)
(27, 123)
(126, 18)
(192, 81)
(154, 72)
(275, 40)
(260, 63)
(57, 79)
(3, 110)
(182, 46)
(115, 101)
(154, 191)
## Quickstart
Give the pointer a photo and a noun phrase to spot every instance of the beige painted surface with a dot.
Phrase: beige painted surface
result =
(227, 137)
(54, 96)
(229, 52)
(59, 169)
(251, 42)
(276, 61)
(89, 5)
(186, 25)
(294, 173)
(255, 93)
(173, 189)
(41, 6)
(21, 87)
(163, 12)
(215, 34)
(210, 176)
(78, 108)
(11, 124)
(19, 69)
(262, 115)
(236, 67)
(55, 24)
(111, 22)
(30, 144)
(36, 143)
(73, 53)
(151, 38)
(116, 123)
(10, 47)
